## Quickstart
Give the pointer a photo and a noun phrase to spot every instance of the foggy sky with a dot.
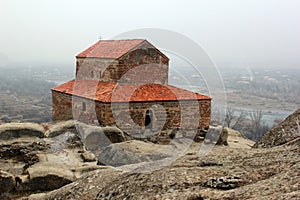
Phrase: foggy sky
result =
(252, 32)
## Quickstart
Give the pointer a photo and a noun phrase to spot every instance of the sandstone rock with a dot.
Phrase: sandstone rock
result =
(129, 153)
(134, 151)
(217, 135)
(98, 137)
(66, 140)
(7, 182)
(45, 177)
(223, 137)
(16, 130)
(286, 131)
(60, 128)
(114, 134)
(88, 157)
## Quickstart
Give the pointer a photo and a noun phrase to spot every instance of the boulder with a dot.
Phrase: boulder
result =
(45, 177)
(66, 140)
(217, 135)
(16, 130)
(222, 140)
(60, 128)
(88, 157)
(114, 134)
(134, 151)
(95, 137)
(7, 182)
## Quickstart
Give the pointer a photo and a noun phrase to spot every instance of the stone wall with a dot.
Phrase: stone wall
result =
(131, 116)
(152, 63)
(169, 114)
(152, 67)
(93, 68)
(61, 106)
(67, 107)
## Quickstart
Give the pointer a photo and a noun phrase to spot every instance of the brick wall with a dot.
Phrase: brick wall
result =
(169, 114)
(93, 68)
(61, 106)
(154, 65)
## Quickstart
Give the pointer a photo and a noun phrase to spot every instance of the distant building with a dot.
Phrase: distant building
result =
(120, 81)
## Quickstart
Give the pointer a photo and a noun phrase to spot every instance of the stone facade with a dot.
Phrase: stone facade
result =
(147, 57)
(132, 116)
(61, 106)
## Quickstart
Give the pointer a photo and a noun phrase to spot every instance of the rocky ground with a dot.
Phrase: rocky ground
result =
(37, 167)
(286, 131)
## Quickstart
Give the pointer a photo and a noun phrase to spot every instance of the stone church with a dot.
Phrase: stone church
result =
(125, 83)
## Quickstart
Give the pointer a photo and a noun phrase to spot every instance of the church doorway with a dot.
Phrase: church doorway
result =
(149, 119)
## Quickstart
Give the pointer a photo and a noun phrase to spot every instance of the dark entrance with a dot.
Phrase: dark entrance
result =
(149, 119)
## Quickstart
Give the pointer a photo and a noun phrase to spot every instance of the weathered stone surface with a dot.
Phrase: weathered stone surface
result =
(217, 135)
(67, 140)
(129, 153)
(224, 183)
(45, 177)
(95, 137)
(16, 130)
(23, 153)
(60, 128)
(114, 134)
(134, 151)
(223, 137)
(288, 130)
(271, 173)
(88, 157)
(7, 182)
(238, 140)
(44, 163)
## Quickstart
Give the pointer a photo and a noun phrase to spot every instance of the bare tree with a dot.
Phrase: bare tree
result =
(229, 116)
(256, 123)
(234, 118)
(238, 125)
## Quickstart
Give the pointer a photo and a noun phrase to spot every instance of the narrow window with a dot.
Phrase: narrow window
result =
(148, 119)
(83, 106)
(100, 74)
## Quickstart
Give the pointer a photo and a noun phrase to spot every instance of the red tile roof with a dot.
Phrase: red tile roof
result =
(109, 48)
(112, 92)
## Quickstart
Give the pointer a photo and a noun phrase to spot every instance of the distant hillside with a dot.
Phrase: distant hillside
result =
(282, 133)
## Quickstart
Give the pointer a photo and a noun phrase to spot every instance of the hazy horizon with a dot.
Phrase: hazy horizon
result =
(235, 33)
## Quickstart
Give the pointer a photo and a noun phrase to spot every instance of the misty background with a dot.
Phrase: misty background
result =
(254, 43)
(254, 32)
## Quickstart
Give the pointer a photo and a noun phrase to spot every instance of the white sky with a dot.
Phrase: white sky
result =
(256, 32)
